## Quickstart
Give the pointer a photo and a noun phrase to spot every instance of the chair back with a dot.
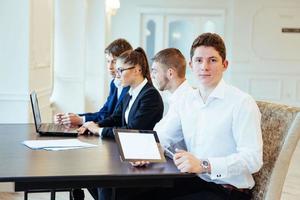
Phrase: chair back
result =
(280, 132)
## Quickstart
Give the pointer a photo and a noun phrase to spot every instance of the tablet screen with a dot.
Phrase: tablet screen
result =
(137, 146)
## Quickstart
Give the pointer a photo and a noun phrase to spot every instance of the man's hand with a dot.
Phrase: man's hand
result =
(57, 118)
(187, 162)
(67, 118)
(90, 126)
(82, 130)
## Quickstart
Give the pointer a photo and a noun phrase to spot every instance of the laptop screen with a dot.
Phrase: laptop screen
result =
(35, 110)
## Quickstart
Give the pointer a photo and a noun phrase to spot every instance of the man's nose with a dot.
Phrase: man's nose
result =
(109, 65)
(204, 66)
(153, 75)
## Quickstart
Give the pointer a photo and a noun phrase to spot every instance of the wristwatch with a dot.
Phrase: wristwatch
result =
(205, 166)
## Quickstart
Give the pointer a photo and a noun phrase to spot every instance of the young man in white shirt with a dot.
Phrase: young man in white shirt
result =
(168, 71)
(221, 129)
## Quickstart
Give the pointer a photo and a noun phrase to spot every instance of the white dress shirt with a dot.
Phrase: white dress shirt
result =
(225, 130)
(119, 86)
(134, 93)
(166, 137)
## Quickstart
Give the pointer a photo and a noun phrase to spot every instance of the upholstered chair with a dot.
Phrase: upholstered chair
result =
(280, 131)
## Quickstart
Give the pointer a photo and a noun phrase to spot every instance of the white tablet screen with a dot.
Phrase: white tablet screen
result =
(139, 146)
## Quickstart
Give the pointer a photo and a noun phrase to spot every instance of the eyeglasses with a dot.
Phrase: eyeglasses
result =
(120, 70)
(153, 70)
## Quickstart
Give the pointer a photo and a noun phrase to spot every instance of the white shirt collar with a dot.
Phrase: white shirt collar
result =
(117, 82)
(134, 92)
(119, 86)
(218, 92)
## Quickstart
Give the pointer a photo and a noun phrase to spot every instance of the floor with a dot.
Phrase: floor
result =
(291, 190)
(40, 196)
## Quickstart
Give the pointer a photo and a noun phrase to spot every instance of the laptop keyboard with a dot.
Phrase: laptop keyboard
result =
(55, 128)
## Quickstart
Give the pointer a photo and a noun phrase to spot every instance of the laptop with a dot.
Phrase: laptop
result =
(49, 129)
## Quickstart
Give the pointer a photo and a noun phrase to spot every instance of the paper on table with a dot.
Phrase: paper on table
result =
(62, 148)
(42, 144)
(139, 146)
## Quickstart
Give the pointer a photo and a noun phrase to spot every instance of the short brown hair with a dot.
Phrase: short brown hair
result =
(172, 57)
(209, 40)
(117, 47)
(137, 57)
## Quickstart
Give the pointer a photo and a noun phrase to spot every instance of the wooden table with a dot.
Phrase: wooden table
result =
(31, 169)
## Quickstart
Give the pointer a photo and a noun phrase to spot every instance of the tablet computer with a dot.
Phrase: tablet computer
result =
(139, 145)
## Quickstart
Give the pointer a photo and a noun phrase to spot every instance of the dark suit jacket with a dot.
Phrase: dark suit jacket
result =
(112, 102)
(145, 112)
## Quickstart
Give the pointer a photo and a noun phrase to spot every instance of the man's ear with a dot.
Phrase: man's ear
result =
(138, 68)
(170, 72)
(225, 64)
(190, 64)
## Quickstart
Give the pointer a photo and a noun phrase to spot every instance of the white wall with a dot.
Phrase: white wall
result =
(126, 23)
(14, 60)
(41, 54)
(263, 61)
(266, 62)
(25, 58)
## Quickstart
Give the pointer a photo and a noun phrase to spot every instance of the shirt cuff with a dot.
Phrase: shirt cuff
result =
(99, 131)
(83, 119)
(218, 168)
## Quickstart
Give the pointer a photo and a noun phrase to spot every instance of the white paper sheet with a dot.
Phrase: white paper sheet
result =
(62, 148)
(139, 146)
(55, 144)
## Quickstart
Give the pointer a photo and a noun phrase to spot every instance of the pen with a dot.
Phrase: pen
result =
(170, 152)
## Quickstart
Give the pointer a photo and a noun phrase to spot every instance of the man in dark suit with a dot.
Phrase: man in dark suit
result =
(116, 92)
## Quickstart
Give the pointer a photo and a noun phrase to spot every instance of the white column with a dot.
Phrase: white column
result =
(69, 56)
(96, 87)
(80, 75)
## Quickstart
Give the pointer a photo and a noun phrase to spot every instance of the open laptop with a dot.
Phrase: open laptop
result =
(49, 129)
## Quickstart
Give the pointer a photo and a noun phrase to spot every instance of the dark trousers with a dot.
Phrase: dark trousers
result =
(78, 194)
(93, 192)
(183, 189)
